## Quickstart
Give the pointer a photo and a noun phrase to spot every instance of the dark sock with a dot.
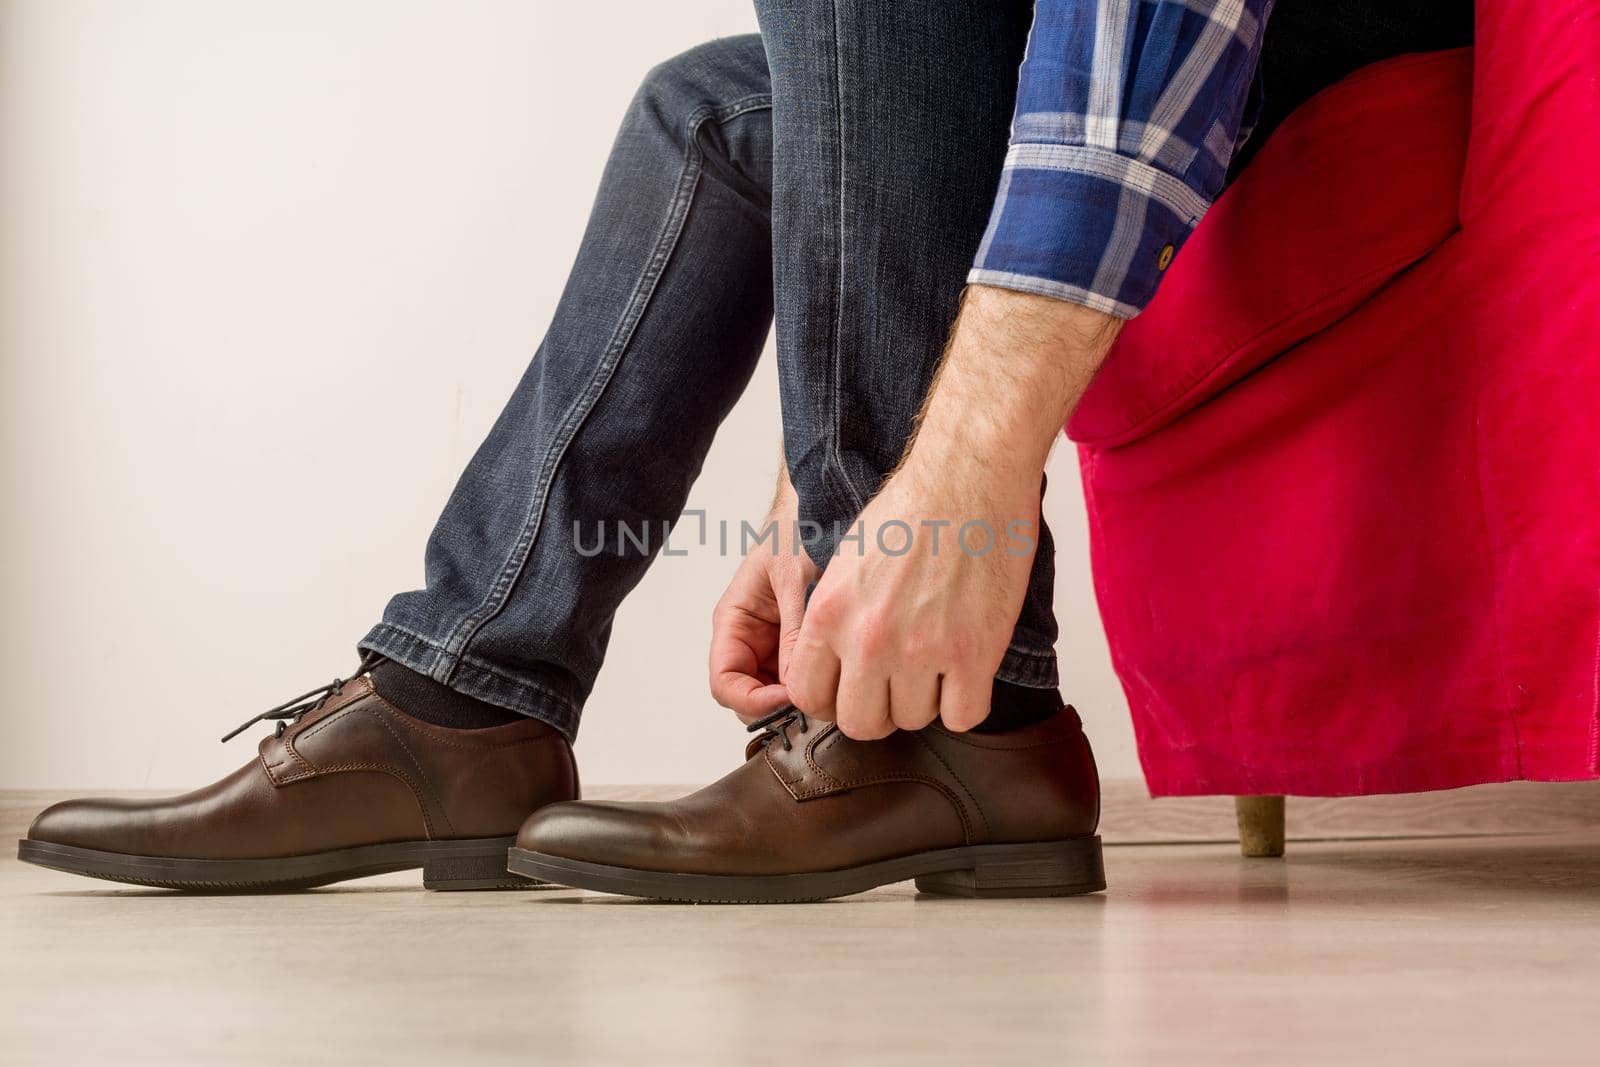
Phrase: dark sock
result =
(423, 698)
(1012, 707)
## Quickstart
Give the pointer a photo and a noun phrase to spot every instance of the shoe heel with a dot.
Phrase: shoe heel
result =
(480, 864)
(1043, 869)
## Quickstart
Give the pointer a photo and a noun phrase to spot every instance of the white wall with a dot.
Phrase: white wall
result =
(267, 270)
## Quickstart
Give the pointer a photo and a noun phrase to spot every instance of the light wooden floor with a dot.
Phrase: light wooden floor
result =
(1472, 950)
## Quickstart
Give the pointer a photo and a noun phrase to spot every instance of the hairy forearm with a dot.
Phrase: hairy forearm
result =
(1013, 372)
(783, 495)
(893, 639)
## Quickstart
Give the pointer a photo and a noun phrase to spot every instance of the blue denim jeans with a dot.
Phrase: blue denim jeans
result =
(833, 174)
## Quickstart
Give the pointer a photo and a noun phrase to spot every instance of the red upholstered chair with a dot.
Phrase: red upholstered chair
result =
(1343, 475)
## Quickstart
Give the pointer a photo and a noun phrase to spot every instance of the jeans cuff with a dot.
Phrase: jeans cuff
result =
(1025, 667)
(537, 697)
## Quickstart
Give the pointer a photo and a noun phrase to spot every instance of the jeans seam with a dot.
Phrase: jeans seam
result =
(527, 683)
(439, 652)
(855, 497)
(462, 634)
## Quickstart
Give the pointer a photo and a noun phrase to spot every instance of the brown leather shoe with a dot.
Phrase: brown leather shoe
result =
(812, 814)
(354, 787)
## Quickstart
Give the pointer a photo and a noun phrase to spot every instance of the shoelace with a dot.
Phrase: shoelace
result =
(777, 725)
(306, 702)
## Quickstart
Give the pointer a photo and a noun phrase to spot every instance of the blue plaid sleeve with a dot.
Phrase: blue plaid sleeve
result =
(1128, 112)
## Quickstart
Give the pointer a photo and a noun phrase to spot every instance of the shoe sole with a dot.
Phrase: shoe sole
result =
(473, 863)
(1040, 869)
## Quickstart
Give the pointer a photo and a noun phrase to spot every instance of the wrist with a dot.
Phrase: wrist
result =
(1015, 368)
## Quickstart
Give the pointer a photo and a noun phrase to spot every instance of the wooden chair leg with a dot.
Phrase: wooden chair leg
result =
(1261, 826)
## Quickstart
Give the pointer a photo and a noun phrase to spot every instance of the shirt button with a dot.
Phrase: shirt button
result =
(1165, 258)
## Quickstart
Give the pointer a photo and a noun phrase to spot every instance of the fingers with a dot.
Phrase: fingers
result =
(913, 699)
(740, 663)
(964, 698)
(813, 678)
(746, 693)
(878, 685)
(754, 630)
(863, 712)
(748, 698)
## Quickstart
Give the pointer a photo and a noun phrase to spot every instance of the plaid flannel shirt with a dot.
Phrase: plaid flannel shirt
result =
(1128, 112)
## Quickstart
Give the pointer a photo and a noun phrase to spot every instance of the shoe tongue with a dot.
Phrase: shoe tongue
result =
(353, 690)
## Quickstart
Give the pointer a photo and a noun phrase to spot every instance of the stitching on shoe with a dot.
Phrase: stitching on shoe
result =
(288, 746)
(965, 788)
(836, 784)
(856, 783)
(422, 791)
(811, 747)
(778, 772)
(422, 774)
(307, 770)
(393, 772)
(268, 768)
(317, 727)
(272, 766)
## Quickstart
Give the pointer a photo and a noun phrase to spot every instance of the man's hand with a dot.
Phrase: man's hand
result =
(755, 624)
(910, 622)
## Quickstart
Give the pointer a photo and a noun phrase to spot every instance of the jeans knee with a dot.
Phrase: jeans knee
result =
(710, 75)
